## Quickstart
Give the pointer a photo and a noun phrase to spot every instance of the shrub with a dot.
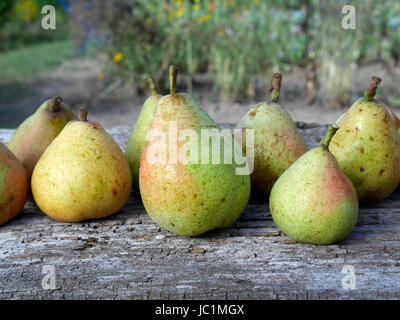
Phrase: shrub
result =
(237, 40)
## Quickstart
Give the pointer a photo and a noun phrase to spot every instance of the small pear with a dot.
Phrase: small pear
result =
(13, 185)
(33, 136)
(185, 195)
(367, 147)
(82, 175)
(137, 140)
(277, 141)
(314, 201)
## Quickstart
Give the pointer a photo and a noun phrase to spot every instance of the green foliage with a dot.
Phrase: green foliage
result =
(233, 40)
(20, 23)
(5, 8)
(33, 62)
(339, 51)
(54, 3)
(236, 40)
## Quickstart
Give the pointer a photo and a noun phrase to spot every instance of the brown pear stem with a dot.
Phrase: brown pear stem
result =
(369, 94)
(55, 105)
(275, 87)
(329, 135)
(152, 86)
(173, 73)
(82, 114)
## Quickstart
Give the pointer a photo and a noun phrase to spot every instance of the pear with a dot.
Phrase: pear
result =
(33, 136)
(277, 141)
(82, 175)
(13, 185)
(367, 147)
(395, 119)
(137, 140)
(184, 195)
(314, 201)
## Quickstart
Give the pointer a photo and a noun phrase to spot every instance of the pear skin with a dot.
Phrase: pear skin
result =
(13, 185)
(395, 120)
(137, 140)
(82, 175)
(188, 198)
(277, 141)
(314, 201)
(34, 135)
(367, 148)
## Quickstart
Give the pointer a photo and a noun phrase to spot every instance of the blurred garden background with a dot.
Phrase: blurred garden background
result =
(102, 51)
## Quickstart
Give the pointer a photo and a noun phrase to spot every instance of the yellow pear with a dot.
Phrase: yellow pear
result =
(82, 175)
(193, 197)
(367, 147)
(138, 138)
(277, 141)
(34, 135)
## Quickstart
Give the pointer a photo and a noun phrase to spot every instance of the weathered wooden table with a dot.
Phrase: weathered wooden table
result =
(128, 256)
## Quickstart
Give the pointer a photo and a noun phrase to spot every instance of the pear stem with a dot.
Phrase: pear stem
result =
(329, 135)
(370, 93)
(55, 106)
(173, 72)
(152, 86)
(82, 115)
(275, 87)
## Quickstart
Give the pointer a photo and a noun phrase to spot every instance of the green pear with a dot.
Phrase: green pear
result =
(277, 141)
(13, 185)
(367, 147)
(35, 134)
(82, 175)
(392, 116)
(314, 201)
(137, 140)
(181, 193)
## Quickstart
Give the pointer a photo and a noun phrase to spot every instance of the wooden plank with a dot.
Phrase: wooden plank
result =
(127, 256)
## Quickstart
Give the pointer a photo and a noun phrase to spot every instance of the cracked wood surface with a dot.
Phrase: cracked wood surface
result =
(127, 256)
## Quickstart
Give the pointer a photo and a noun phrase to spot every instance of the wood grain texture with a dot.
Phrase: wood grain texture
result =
(127, 256)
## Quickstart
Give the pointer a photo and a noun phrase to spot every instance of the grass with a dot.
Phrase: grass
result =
(33, 62)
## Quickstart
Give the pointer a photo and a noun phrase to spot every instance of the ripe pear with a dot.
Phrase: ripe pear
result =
(82, 175)
(34, 135)
(13, 185)
(277, 141)
(314, 201)
(367, 147)
(137, 140)
(187, 196)
(395, 119)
